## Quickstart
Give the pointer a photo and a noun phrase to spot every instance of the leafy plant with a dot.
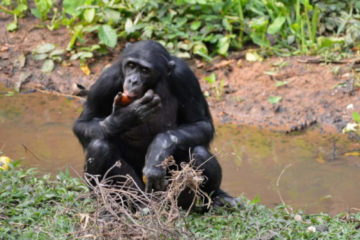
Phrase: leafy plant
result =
(274, 99)
(19, 7)
(281, 83)
(43, 7)
(218, 87)
(354, 126)
(204, 28)
(47, 53)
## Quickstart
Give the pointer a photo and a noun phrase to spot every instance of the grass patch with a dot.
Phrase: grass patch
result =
(61, 207)
(33, 207)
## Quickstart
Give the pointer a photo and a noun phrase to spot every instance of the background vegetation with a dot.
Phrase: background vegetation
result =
(203, 28)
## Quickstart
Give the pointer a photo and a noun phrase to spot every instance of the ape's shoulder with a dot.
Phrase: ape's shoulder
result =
(183, 80)
(110, 76)
(109, 82)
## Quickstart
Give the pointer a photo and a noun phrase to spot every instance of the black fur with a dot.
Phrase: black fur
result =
(169, 116)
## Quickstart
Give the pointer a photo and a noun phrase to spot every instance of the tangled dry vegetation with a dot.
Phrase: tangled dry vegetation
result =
(127, 212)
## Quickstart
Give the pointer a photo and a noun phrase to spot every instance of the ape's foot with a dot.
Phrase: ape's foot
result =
(222, 199)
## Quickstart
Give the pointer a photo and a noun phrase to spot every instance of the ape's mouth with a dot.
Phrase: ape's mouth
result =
(134, 94)
(131, 95)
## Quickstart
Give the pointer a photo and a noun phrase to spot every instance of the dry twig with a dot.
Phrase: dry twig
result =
(126, 212)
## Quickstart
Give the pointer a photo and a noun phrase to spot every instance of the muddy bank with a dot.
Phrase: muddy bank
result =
(311, 94)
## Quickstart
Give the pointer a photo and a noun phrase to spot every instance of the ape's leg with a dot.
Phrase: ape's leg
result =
(212, 171)
(101, 155)
(207, 162)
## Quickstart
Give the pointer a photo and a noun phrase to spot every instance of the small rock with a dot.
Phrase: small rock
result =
(23, 78)
(350, 106)
(322, 228)
(298, 218)
(311, 229)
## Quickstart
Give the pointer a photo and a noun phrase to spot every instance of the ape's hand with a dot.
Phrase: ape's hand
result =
(139, 110)
(162, 147)
(155, 178)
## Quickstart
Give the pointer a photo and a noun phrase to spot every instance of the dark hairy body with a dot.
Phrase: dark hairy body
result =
(168, 116)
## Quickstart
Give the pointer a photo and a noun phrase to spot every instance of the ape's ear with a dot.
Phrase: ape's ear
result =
(171, 66)
(128, 44)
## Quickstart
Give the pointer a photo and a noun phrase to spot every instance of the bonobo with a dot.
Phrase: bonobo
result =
(164, 113)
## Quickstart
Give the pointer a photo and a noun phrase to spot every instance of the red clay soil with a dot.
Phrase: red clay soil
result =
(313, 93)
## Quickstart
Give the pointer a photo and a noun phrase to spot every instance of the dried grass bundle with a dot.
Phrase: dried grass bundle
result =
(127, 212)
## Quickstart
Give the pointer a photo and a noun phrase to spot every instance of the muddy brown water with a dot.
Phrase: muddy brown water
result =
(312, 171)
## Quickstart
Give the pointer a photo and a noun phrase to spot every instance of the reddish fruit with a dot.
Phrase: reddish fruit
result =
(122, 99)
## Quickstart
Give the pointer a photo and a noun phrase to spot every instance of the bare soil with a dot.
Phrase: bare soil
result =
(314, 94)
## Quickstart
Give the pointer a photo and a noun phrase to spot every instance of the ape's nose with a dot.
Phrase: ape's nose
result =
(133, 80)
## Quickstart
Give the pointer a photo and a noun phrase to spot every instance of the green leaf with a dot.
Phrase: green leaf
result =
(260, 39)
(57, 52)
(44, 48)
(281, 83)
(271, 73)
(48, 66)
(253, 56)
(81, 55)
(329, 42)
(40, 57)
(200, 49)
(195, 25)
(89, 14)
(227, 25)
(35, 12)
(274, 99)
(12, 26)
(211, 79)
(10, 94)
(276, 25)
(356, 117)
(43, 7)
(223, 45)
(259, 24)
(129, 26)
(108, 35)
(184, 55)
(20, 9)
(71, 6)
(255, 200)
(77, 34)
(112, 16)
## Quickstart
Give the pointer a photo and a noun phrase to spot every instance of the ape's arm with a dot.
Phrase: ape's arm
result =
(97, 107)
(195, 127)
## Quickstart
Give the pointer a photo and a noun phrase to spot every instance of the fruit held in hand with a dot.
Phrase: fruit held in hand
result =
(122, 99)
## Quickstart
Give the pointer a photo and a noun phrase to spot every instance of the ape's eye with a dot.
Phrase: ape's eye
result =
(131, 65)
(145, 70)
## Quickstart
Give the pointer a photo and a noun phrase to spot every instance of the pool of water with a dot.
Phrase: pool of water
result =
(313, 171)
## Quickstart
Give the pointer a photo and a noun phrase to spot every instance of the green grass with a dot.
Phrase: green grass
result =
(256, 221)
(44, 207)
(33, 207)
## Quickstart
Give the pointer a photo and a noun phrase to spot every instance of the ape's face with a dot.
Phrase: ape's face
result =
(139, 76)
(144, 64)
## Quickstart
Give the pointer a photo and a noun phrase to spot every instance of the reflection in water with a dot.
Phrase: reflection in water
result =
(36, 127)
(319, 175)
